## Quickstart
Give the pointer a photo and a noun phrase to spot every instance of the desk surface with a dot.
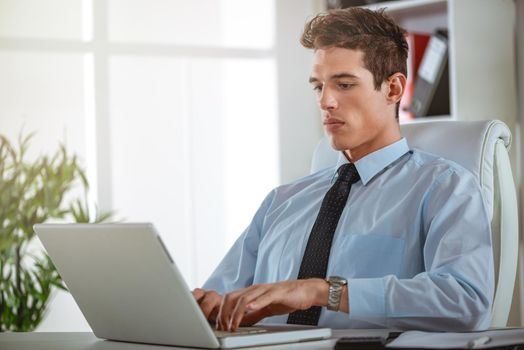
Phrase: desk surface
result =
(88, 341)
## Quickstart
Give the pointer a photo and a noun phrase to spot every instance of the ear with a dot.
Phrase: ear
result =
(395, 86)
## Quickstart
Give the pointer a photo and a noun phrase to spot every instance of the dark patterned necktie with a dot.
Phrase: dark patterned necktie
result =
(316, 256)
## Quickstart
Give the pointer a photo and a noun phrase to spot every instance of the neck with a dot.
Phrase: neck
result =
(363, 150)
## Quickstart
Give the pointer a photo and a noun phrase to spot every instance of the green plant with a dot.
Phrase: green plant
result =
(33, 192)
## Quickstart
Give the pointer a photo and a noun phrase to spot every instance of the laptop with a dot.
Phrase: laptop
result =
(129, 289)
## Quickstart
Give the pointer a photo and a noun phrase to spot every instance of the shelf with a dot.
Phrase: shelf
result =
(396, 6)
(419, 16)
(482, 77)
(437, 118)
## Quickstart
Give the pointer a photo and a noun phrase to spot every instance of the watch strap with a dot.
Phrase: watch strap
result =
(336, 285)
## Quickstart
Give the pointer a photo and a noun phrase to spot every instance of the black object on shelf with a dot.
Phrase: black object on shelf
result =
(431, 92)
(342, 4)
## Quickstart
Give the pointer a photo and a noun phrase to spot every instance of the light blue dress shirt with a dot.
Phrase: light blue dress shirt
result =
(414, 242)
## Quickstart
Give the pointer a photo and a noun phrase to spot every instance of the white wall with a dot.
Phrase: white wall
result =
(299, 123)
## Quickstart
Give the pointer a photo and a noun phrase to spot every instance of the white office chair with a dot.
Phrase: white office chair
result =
(481, 147)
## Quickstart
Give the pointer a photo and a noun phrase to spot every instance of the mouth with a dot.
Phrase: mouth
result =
(332, 124)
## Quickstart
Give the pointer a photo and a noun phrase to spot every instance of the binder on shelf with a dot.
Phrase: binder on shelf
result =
(431, 92)
(417, 43)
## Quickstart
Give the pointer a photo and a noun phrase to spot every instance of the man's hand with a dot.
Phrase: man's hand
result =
(209, 301)
(249, 305)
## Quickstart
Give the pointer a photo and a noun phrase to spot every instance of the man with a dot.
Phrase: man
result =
(402, 236)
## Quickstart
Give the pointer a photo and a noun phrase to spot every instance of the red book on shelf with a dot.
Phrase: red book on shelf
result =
(417, 45)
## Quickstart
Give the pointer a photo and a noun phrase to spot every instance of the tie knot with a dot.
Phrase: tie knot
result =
(348, 173)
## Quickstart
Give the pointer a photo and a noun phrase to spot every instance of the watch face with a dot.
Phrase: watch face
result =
(337, 279)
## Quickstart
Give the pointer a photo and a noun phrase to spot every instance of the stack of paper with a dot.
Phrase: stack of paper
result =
(466, 340)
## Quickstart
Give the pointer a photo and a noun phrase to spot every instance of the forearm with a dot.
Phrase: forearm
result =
(430, 301)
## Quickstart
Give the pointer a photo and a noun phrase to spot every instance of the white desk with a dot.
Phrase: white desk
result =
(87, 341)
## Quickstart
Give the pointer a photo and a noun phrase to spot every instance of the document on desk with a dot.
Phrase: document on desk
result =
(465, 340)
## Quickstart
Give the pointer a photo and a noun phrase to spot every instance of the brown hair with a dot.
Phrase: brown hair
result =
(376, 34)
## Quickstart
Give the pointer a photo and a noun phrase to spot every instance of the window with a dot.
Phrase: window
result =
(171, 104)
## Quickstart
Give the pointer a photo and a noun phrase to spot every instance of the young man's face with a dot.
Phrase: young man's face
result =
(356, 117)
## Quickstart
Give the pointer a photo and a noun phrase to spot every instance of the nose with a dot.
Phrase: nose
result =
(326, 100)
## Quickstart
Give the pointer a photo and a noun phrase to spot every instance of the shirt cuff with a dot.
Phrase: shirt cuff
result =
(367, 300)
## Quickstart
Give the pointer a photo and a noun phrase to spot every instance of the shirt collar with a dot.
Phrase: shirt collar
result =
(370, 165)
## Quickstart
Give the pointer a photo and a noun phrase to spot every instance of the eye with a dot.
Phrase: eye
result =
(317, 88)
(344, 86)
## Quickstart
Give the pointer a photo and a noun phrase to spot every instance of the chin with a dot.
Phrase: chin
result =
(337, 144)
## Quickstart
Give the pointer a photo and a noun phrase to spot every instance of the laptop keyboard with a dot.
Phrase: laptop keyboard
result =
(240, 331)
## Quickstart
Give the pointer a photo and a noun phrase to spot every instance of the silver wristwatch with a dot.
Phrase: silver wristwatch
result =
(336, 285)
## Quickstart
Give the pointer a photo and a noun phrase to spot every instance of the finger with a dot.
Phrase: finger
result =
(207, 306)
(227, 306)
(241, 308)
(213, 315)
(252, 293)
(237, 314)
(198, 293)
(210, 304)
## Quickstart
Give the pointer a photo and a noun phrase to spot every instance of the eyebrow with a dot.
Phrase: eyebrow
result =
(336, 76)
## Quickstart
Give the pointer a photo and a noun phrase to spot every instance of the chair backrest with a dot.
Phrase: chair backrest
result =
(482, 148)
